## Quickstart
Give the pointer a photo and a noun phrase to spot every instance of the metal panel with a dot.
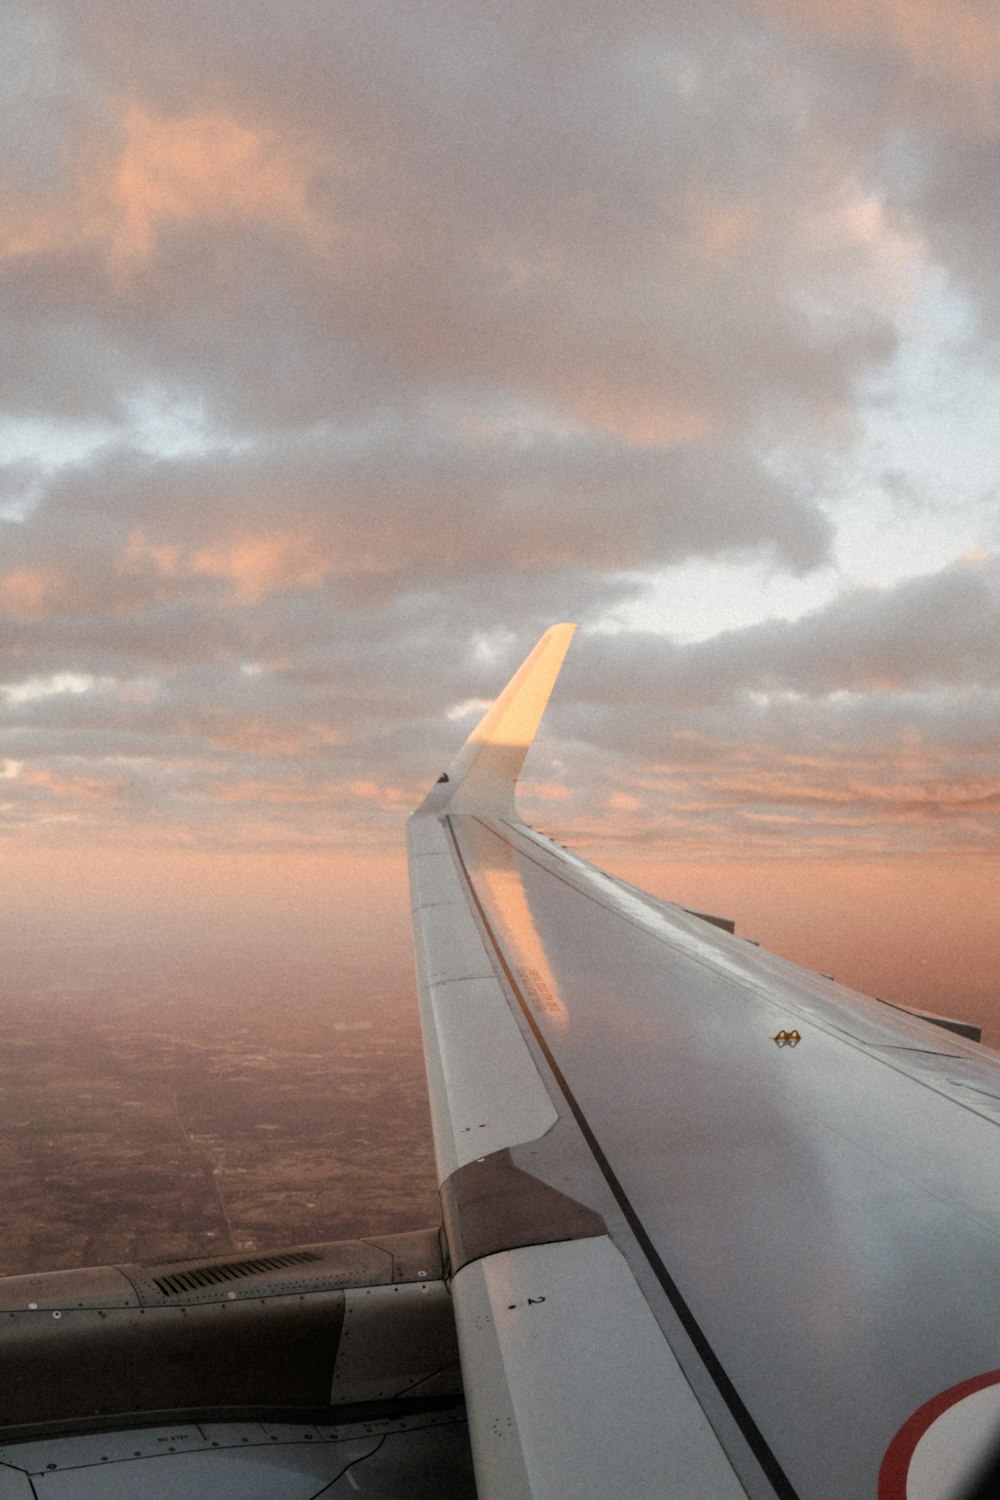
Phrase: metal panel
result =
(571, 1387)
(420, 1457)
(485, 1089)
(493, 1205)
(264, 1338)
(95, 1286)
(276, 1351)
(396, 1340)
(323, 1267)
(15, 1485)
(493, 1096)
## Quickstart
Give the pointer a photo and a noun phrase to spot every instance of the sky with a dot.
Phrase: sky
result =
(348, 346)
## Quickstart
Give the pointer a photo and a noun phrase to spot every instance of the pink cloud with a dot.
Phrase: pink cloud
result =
(131, 186)
(959, 39)
(30, 593)
(256, 566)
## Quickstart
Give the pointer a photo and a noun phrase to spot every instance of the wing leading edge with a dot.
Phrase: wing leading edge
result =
(685, 1260)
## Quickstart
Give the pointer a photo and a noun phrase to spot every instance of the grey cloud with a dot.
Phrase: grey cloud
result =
(127, 532)
(940, 630)
(504, 215)
(874, 777)
(43, 88)
(956, 204)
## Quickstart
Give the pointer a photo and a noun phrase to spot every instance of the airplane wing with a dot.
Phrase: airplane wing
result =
(716, 1226)
(713, 1227)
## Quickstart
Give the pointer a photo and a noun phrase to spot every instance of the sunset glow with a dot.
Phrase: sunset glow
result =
(347, 354)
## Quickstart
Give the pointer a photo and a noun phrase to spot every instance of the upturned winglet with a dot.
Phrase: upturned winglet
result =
(482, 776)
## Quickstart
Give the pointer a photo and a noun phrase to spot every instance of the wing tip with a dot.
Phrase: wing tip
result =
(483, 775)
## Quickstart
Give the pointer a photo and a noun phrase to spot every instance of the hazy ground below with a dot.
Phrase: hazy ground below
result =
(154, 1105)
(201, 1054)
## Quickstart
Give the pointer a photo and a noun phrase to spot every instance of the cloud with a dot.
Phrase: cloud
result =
(395, 333)
(957, 40)
(358, 213)
(941, 630)
(162, 173)
(124, 533)
(868, 724)
(866, 727)
(922, 76)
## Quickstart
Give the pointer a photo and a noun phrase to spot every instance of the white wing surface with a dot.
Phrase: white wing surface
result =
(716, 1225)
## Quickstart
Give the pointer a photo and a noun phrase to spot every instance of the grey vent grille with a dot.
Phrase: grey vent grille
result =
(204, 1276)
